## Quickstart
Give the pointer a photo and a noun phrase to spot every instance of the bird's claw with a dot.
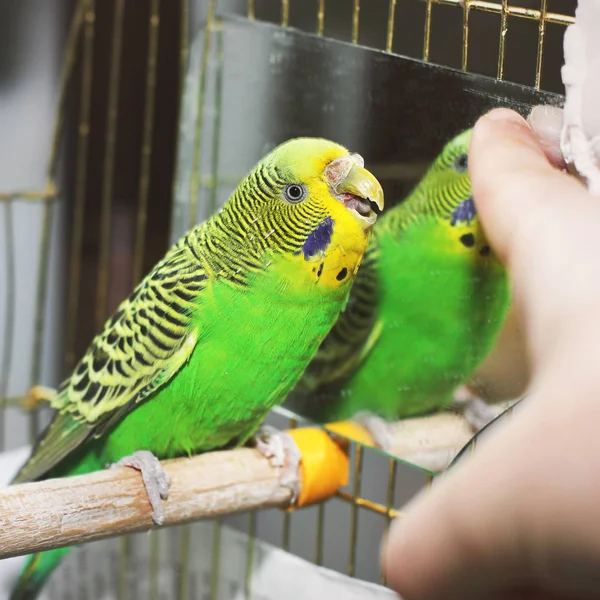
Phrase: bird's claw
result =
(156, 480)
(476, 411)
(381, 431)
(281, 450)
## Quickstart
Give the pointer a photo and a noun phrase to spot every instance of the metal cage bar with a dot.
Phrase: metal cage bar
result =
(9, 312)
(81, 170)
(465, 40)
(512, 11)
(42, 279)
(109, 161)
(285, 12)
(540, 48)
(355, 21)
(144, 185)
(321, 17)
(389, 41)
(503, 32)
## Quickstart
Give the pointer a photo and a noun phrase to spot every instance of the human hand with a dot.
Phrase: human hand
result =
(520, 519)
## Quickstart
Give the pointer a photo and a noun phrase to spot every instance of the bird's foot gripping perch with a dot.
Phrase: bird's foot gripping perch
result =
(156, 480)
(476, 411)
(282, 451)
(380, 430)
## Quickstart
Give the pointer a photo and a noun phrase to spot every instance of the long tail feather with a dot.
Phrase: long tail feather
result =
(35, 573)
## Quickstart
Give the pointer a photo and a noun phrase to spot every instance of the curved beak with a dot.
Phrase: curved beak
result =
(357, 188)
(362, 183)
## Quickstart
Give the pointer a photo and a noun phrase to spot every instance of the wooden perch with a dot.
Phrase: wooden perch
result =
(61, 512)
(430, 442)
(73, 510)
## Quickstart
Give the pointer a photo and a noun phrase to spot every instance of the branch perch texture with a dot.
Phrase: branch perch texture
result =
(74, 510)
(61, 512)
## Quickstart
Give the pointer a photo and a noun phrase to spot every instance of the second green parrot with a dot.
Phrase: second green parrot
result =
(429, 301)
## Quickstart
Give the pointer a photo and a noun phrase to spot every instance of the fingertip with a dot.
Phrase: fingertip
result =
(501, 127)
(510, 172)
(503, 115)
(547, 124)
(418, 553)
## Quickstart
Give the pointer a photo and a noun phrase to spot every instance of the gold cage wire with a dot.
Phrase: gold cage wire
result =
(79, 54)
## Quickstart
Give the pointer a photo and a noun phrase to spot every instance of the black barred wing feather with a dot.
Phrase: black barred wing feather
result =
(145, 343)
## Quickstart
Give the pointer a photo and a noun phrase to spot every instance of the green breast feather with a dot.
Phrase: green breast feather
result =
(428, 303)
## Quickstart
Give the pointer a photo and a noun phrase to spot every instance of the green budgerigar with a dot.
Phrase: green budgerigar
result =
(429, 301)
(218, 332)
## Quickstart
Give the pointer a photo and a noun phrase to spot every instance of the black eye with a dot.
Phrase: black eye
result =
(461, 163)
(294, 193)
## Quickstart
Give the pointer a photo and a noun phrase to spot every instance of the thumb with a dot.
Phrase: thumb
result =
(512, 178)
(543, 225)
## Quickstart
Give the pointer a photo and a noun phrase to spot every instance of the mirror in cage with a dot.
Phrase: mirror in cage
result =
(402, 115)
(252, 85)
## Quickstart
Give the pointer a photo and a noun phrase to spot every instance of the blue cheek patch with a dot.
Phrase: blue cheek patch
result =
(464, 212)
(318, 239)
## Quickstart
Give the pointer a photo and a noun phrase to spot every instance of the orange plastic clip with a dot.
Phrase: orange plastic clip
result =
(324, 466)
(353, 431)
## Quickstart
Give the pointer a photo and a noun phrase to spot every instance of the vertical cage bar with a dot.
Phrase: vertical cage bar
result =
(321, 17)
(183, 49)
(154, 565)
(427, 31)
(195, 179)
(105, 221)
(250, 555)
(181, 580)
(212, 205)
(252, 9)
(355, 21)
(540, 48)
(285, 12)
(216, 556)
(320, 534)
(124, 556)
(392, 470)
(389, 42)
(44, 254)
(42, 283)
(83, 136)
(109, 160)
(465, 40)
(67, 72)
(285, 531)
(144, 187)
(9, 312)
(287, 518)
(82, 591)
(184, 563)
(503, 32)
(183, 65)
(358, 461)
